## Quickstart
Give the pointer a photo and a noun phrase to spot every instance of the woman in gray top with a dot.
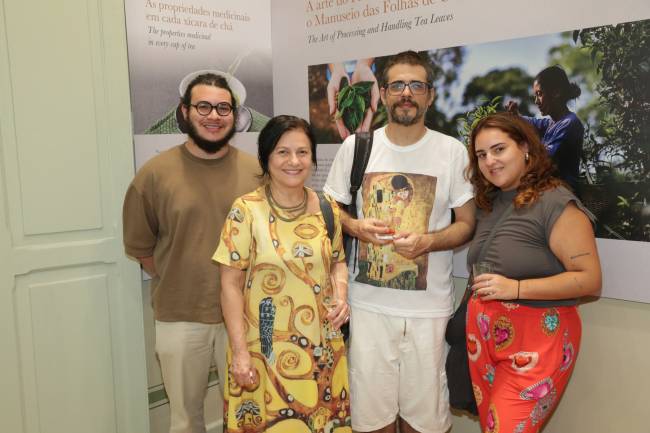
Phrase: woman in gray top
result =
(523, 328)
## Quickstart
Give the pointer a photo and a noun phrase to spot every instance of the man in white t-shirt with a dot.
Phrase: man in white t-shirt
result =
(401, 291)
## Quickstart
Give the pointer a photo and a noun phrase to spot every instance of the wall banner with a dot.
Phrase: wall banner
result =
(490, 57)
(172, 41)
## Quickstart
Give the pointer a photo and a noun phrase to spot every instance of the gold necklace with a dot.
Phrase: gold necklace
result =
(295, 211)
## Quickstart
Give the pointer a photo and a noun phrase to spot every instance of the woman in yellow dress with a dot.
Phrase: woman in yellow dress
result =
(284, 297)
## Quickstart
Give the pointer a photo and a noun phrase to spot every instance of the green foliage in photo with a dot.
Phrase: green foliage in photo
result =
(472, 117)
(352, 102)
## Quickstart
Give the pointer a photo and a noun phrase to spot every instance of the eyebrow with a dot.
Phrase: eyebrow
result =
(286, 147)
(208, 102)
(491, 147)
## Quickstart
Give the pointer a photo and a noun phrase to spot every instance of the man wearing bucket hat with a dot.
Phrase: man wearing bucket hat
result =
(248, 119)
(173, 213)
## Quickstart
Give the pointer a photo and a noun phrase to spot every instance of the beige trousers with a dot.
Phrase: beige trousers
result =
(185, 351)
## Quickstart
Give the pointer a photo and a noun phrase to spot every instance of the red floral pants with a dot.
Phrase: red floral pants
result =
(520, 361)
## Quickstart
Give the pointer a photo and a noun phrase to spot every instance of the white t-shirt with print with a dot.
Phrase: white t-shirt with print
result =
(413, 188)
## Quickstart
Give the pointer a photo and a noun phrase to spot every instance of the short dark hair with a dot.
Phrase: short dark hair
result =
(554, 79)
(209, 79)
(409, 58)
(274, 130)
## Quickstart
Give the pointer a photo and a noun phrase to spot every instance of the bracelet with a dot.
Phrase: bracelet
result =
(518, 285)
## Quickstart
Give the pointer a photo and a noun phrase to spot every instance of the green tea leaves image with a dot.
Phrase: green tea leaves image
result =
(352, 101)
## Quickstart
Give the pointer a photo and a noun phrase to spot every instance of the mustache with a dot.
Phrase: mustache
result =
(408, 99)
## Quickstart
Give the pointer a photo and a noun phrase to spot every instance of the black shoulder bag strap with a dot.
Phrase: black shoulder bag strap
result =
(328, 214)
(485, 245)
(459, 382)
(455, 332)
(362, 149)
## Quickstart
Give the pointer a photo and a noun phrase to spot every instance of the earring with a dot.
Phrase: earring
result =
(526, 156)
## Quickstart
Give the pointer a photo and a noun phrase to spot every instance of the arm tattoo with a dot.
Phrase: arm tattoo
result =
(579, 255)
(577, 282)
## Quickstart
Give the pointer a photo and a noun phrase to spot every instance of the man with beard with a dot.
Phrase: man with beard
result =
(401, 291)
(173, 214)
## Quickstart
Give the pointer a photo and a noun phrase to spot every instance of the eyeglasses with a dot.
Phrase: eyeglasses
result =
(204, 108)
(417, 87)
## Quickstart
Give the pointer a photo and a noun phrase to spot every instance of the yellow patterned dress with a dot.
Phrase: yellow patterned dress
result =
(303, 373)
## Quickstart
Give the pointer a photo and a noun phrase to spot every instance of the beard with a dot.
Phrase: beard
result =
(404, 118)
(209, 146)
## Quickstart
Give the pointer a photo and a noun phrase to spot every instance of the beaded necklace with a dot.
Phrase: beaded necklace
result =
(295, 211)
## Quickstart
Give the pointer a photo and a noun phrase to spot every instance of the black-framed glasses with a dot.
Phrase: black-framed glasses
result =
(417, 87)
(204, 108)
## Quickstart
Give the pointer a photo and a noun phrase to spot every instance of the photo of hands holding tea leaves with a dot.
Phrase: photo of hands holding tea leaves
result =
(352, 102)
(344, 99)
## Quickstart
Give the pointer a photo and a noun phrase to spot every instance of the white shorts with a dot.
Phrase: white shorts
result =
(397, 367)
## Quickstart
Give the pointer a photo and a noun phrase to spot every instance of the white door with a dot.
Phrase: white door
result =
(71, 332)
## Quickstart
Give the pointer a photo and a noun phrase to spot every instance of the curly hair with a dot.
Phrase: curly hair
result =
(407, 58)
(209, 79)
(538, 174)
